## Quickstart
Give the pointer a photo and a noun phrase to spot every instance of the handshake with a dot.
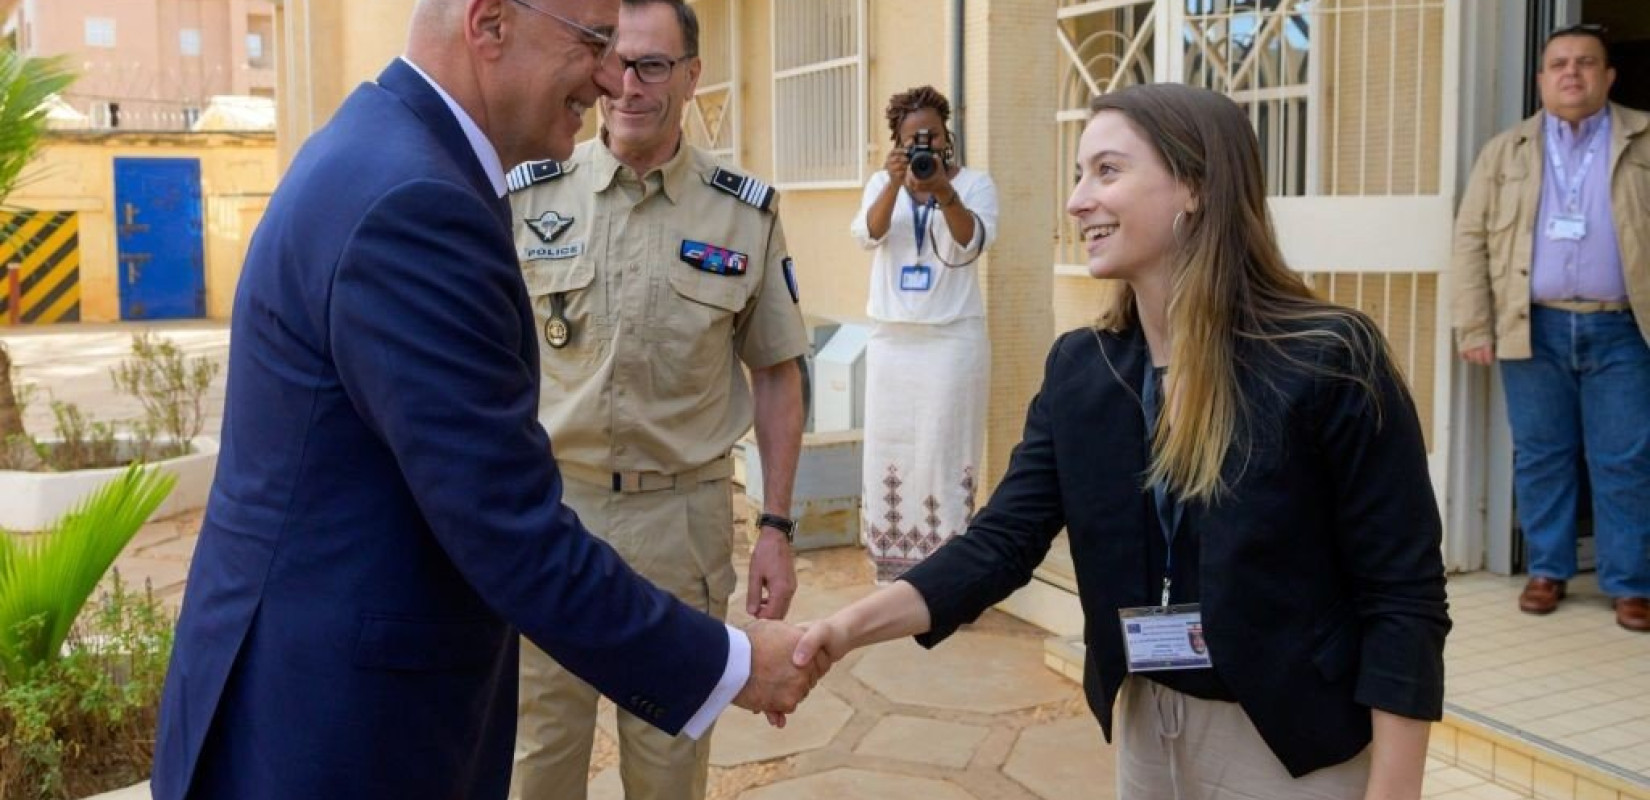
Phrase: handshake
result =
(787, 661)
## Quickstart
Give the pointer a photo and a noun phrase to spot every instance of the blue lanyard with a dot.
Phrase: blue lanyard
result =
(1169, 509)
(919, 217)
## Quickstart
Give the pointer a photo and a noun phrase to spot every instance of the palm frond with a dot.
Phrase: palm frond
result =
(25, 86)
(46, 579)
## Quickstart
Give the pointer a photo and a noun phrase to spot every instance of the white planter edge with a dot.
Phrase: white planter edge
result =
(31, 501)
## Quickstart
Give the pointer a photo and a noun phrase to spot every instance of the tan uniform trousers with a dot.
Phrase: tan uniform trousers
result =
(1172, 746)
(680, 539)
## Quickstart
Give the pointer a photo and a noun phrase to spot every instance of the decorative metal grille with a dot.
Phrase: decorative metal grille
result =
(819, 93)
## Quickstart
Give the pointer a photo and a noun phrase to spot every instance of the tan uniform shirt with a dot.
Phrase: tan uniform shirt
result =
(649, 378)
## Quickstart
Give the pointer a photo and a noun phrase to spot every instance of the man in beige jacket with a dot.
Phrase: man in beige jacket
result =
(1552, 258)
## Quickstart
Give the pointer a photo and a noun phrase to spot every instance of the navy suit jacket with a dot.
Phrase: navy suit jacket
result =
(1321, 575)
(386, 513)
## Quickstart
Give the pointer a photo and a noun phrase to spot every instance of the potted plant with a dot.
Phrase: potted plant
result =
(43, 477)
(79, 691)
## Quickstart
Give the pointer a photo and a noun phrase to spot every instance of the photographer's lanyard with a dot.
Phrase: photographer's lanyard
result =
(1571, 185)
(920, 214)
(1170, 511)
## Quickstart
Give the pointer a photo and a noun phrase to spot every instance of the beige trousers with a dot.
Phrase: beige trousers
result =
(1172, 746)
(681, 540)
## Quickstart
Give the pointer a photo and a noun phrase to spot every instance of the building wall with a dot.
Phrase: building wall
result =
(146, 71)
(76, 173)
(326, 49)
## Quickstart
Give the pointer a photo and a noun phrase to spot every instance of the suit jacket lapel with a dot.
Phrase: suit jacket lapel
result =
(402, 81)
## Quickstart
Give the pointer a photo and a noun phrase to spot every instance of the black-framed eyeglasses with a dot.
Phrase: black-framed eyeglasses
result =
(599, 41)
(653, 69)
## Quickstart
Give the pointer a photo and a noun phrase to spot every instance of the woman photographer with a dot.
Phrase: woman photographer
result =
(1243, 477)
(926, 219)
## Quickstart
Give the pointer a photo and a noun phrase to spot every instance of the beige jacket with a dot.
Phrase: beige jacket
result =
(1495, 231)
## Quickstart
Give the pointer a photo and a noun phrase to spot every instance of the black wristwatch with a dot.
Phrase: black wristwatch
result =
(784, 525)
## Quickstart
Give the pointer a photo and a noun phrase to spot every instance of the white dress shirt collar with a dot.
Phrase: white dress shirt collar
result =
(478, 140)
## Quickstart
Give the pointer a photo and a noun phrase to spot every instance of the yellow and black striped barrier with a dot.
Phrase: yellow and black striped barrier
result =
(47, 245)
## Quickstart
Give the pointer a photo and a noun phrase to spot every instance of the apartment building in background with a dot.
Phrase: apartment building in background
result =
(149, 65)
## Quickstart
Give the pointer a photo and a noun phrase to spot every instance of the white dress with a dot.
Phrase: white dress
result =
(927, 372)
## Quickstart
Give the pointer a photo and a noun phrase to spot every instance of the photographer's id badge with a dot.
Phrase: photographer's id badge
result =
(1164, 637)
(1563, 228)
(916, 278)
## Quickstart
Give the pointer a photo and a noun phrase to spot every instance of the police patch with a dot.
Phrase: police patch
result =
(533, 253)
(790, 279)
(710, 258)
(549, 225)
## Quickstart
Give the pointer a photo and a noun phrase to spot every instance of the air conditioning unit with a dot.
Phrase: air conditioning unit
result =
(839, 380)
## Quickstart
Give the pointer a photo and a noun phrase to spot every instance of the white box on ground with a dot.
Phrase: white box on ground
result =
(825, 499)
(839, 380)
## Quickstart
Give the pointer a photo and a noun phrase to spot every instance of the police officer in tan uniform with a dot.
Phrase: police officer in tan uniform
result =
(654, 272)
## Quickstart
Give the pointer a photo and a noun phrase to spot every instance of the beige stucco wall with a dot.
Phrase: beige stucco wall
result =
(76, 173)
(327, 48)
(906, 46)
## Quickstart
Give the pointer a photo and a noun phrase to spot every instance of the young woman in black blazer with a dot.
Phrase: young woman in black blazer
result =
(1237, 463)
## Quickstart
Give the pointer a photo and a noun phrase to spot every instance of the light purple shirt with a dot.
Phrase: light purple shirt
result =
(1588, 268)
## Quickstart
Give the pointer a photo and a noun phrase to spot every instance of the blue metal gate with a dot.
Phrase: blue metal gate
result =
(159, 246)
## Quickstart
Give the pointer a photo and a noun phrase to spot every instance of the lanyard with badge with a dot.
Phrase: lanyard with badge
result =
(1164, 636)
(918, 277)
(1569, 224)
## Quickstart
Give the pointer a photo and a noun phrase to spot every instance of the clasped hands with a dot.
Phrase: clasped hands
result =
(786, 663)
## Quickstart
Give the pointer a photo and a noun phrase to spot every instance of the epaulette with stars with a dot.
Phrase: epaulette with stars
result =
(750, 191)
(529, 173)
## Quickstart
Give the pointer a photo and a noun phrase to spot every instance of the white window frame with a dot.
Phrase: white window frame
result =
(732, 112)
(254, 46)
(100, 32)
(852, 178)
(189, 42)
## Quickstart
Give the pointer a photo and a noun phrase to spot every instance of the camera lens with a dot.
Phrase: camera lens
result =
(923, 164)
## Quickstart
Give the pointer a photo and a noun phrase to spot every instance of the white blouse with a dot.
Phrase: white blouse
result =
(952, 293)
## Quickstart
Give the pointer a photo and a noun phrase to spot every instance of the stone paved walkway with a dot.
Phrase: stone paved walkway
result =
(981, 716)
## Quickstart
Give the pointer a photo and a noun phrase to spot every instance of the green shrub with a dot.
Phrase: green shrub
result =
(84, 723)
(79, 691)
(171, 388)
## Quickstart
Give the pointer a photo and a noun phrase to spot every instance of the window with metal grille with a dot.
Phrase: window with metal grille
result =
(819, 136)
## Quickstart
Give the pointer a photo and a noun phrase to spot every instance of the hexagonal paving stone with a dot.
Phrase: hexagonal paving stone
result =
(741, 737)
(858, 784)
(982, 672)
(807, 605)
(926, 741)
(1064, 759)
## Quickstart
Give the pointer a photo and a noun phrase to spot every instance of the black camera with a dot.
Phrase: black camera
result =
(922, 158)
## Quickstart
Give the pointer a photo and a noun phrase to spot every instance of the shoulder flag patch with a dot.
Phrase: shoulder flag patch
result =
(750, 191)
(528, 173)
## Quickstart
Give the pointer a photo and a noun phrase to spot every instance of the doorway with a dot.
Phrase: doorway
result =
(160, 249)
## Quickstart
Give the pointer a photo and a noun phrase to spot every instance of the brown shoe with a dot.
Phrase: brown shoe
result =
(1541, 596)
(1633, 613)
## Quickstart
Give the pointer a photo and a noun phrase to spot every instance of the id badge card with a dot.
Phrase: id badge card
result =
(1159, 638)
(1562, 228)
(916, 278)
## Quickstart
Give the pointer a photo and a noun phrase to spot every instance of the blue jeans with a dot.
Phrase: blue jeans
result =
(1587, 389)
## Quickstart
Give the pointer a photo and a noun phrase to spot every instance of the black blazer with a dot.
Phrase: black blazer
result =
(1321, 574)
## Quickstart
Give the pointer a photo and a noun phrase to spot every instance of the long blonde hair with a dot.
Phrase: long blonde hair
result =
(1229, 283)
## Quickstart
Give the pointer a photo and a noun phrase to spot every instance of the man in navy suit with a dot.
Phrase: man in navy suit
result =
(386, 513)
